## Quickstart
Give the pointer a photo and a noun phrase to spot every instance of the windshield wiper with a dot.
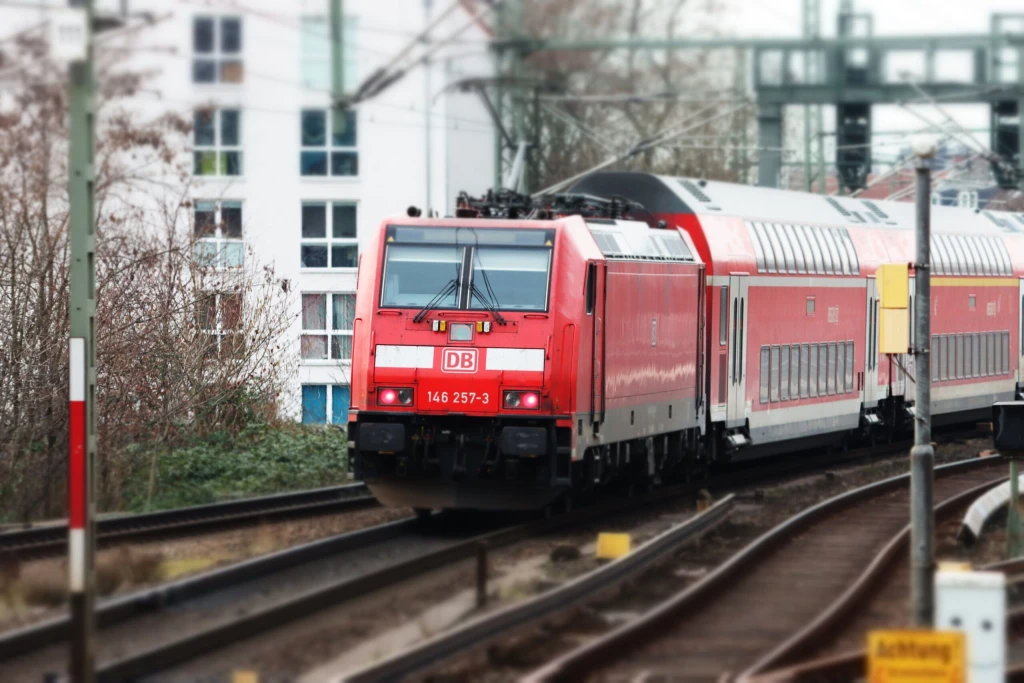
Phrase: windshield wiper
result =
(487, 304)
(452, 286)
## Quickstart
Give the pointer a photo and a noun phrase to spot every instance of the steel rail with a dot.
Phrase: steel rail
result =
(52, 539)
(195, 644)
(120, 609)
(489, 626)
(859, 591)
(24, 640)
(577, 663)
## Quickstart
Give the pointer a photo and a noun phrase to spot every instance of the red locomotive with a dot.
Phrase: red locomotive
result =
(500, 363)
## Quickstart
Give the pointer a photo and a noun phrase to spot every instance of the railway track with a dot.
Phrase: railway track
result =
(783, 581)
(52, 539)
(157, 629)
(202, 651)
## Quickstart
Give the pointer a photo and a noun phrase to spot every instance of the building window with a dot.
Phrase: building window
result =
(328, 143)
(327, 330)
(320, 401)
(219, 320)
(218, 233)
(217, 50)
(316, 53)
(218, 142)
(329, 238)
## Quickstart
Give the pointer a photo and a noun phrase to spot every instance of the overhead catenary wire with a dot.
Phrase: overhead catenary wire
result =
(643, 146)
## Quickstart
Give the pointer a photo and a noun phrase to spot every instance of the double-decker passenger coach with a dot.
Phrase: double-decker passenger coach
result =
(497, 363)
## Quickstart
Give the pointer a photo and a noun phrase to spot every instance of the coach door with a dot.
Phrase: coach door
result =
(736, 414)
(595, 291)
(871, 347)
(1020, 333)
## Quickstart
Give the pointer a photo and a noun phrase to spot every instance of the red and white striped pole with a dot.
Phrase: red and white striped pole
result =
(78, 493)
(80, 540)
(81, 350)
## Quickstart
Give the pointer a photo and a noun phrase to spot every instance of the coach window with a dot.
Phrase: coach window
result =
(805, 247)
(965, 251)
(972, 255)
(836, 240)
(784, 375)
(987, 257)
(790, 247)
(766, 245)
(819, 263)
(992, 257)
(812, 374)
(983, 372)
(780, 256)
(975, 356)
(998, 363)
(723, 316)
(983, 264)
(991, 353)
(805, 361)
(840, 367)
(794, 372)
(948, 346)
(756, 241)
(851, 252)
(810, 306)
(943, 260)
(959, 356)
(1006, 353)
(787, 252)
(830, 377)
(822, 369)
(954, 254)
(1004, 258)
(849, 366)
(972, 302)
(935, 358)
(774, 379)
(961, 252)
(798, 253)
(765, 374)
(826, 255)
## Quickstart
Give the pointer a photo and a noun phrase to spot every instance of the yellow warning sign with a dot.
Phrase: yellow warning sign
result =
(916, 657)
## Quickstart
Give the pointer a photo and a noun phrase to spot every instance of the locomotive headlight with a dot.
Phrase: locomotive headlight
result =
(522, 400)
(390, 397)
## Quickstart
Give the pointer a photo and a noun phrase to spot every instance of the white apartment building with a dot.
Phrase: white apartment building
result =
(275, 179)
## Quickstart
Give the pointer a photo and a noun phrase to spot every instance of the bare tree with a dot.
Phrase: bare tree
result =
(184, 342)
(592, 104)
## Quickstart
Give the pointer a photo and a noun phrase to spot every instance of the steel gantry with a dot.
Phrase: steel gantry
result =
(849, 72)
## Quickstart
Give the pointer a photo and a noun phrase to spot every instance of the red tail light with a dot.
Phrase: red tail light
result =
(522, 400)
(391, 397)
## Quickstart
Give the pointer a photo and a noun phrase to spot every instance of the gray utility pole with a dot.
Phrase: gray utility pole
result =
(428, 6)
(81, 360)
(922, 455)
(339, 120)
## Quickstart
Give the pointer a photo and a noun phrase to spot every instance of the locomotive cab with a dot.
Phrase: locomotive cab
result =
(454, 388)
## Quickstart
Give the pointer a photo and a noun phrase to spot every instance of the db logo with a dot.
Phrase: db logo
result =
(458, 360)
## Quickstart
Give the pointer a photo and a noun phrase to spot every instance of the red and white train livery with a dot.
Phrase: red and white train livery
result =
(502, 363)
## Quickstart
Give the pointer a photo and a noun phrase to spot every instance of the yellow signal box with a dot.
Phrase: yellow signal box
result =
(893, 280)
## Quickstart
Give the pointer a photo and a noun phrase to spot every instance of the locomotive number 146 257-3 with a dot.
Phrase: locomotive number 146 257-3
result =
(458, 397)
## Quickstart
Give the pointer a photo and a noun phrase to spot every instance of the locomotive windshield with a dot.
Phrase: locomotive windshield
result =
(497, 269)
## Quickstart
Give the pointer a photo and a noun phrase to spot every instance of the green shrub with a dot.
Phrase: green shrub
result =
(260, 459)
